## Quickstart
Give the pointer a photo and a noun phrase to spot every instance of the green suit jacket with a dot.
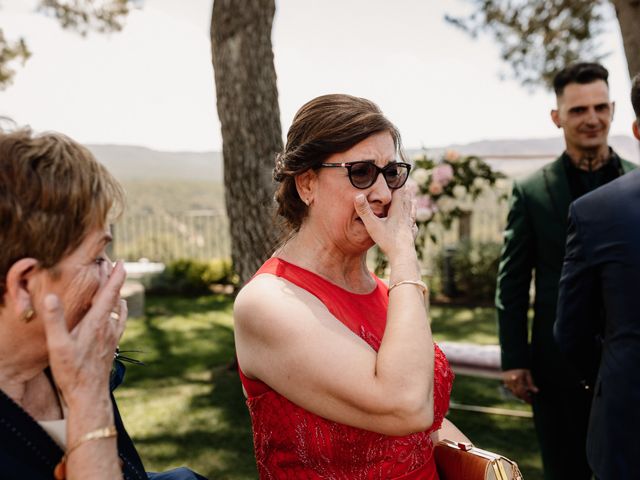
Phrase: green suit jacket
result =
(534, 244)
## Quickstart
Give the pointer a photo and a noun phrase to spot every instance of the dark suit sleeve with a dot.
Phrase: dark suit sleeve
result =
(514, 280)
(579, 303)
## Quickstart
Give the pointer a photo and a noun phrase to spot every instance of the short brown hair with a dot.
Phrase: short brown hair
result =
(52, 193)
(582, 73)
(635, 96)
(324, 126)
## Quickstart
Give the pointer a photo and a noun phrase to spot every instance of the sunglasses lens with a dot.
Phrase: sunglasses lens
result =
(395, 175)
(363, 174)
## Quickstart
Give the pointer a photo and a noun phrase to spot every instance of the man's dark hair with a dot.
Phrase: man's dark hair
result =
(583, 72)
(635, 96)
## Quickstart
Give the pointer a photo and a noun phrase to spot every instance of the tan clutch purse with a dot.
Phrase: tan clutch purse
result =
(463, 461)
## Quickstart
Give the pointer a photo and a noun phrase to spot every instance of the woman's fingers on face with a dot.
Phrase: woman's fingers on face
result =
(402, 204)
(363, 209)
(116, 278)
(114, 283)
(121, 322)
(107, 298)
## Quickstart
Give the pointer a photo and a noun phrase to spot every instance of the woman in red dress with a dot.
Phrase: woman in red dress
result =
(342, 377)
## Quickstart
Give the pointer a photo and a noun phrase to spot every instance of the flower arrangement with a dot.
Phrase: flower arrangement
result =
(445, 189)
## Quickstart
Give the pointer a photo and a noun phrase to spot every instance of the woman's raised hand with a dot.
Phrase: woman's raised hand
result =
(81, 359)
(396, 233)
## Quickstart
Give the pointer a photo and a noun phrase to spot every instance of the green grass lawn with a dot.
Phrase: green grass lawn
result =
(185, 407)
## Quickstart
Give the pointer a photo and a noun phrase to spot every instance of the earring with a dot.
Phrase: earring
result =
(306, 202)
(28, 315)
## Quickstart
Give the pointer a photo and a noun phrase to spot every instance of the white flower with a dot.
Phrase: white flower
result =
(446, 204)
(420, 175)
(459, 191)
(503, 184)
(424, 214)
(479, 183)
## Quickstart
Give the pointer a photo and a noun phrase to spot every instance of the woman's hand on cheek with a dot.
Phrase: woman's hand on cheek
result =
(81, 362)
(397, 230)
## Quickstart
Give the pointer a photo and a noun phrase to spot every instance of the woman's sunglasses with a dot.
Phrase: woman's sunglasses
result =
(364, 174)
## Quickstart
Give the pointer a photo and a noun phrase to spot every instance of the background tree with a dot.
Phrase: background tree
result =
(81, 16)
(247, 101)
(538, 38)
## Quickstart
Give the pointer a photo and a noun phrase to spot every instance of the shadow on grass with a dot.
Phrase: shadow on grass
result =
(184, 306)
(188, 344)
(222, 453)
(173, 345)
(477, 325)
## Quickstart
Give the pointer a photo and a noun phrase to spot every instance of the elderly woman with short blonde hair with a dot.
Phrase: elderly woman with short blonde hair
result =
(61, 315)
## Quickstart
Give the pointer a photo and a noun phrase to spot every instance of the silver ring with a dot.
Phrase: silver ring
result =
(114, 316)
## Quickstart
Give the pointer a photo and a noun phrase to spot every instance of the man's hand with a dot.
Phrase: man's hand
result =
(520, 382)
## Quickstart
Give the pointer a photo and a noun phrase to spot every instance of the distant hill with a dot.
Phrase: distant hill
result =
(625, 146)
(139, 163)
(129, 163)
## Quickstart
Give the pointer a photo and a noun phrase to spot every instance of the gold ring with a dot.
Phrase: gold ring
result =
(114, 316)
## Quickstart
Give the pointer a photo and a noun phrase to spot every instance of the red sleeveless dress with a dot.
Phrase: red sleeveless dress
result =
(293, 443)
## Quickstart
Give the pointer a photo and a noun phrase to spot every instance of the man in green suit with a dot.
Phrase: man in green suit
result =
(533, 367)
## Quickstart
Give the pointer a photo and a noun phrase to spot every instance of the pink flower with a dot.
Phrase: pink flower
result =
(442, 174)
(424, 201)
(435, 188)
(420, 175)
(425, 208)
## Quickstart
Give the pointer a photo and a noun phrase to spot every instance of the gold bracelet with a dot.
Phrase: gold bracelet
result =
(60, 472)
(418, 283)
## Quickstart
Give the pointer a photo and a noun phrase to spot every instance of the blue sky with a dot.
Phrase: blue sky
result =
(152, 84)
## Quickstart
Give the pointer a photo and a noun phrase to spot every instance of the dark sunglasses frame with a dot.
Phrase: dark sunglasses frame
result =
(383, 170)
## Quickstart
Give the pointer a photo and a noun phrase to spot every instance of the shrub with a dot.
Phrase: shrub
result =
(475, 269)
(192, 277)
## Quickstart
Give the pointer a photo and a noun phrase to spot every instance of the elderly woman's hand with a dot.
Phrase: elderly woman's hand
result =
(396, 233)
(81, 360)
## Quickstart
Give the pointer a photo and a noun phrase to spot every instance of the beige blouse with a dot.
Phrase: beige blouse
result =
(57, 429)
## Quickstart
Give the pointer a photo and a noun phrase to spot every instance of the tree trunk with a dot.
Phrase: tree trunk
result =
(628, 12)
(247, 98)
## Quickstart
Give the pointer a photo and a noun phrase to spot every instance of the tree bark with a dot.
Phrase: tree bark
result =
(247, 100)
(628, 12)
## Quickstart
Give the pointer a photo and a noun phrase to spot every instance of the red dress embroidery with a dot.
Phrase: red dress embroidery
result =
(293, 443)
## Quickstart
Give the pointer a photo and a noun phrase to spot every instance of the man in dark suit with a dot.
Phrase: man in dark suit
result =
(535, 370)
(599, 309)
